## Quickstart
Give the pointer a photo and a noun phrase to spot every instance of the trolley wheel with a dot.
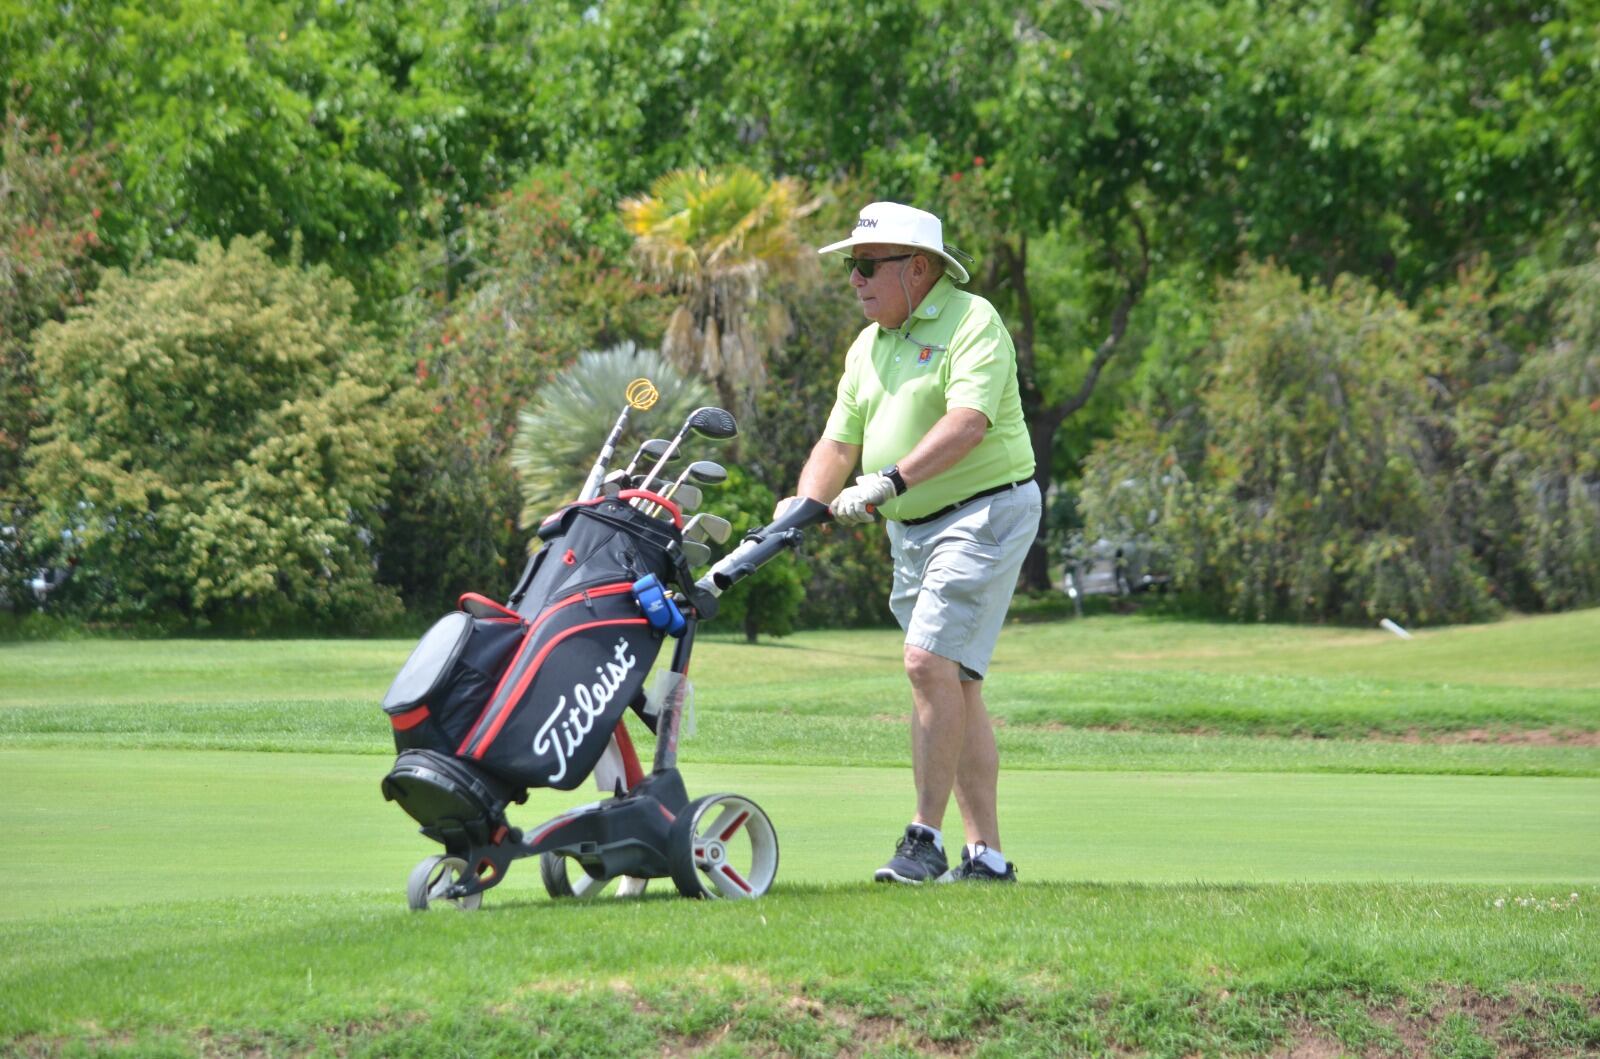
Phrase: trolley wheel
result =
(432, 877)
(723, 845)
(564, 877)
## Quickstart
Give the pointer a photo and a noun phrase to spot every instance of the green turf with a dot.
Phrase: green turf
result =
(1218, 858)
(1556, 652)
(1166, 970)
(774, 736)
(129, 828)
(1109, 693)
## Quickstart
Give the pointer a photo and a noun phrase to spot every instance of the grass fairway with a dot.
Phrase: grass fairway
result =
(228, 825)
(1233, 840)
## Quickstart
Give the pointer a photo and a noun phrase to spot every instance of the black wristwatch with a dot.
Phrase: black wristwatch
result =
(895, 479)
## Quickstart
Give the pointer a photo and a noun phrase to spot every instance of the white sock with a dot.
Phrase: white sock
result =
(938, 836)
(991, 858)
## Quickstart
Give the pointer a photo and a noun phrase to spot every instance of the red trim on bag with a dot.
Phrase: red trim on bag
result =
(570, 558)
(626, 494)
(657, 499)
(527, 638)
(485, 601)
(521, 686)
(404, 722)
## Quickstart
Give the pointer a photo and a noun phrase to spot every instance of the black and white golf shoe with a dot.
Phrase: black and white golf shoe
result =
(916, 859)
(972, 869)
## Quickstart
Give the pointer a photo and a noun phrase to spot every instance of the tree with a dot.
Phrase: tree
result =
(712, 238)
(51, 198)
(546, 278)
(561, 431)
(351, 127)
(1318, 491)
(218, 443)
(1542, 461)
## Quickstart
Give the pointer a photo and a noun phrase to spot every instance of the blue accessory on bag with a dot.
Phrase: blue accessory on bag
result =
(658, 607)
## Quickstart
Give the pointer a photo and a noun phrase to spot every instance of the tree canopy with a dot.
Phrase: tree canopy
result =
(1112, 166)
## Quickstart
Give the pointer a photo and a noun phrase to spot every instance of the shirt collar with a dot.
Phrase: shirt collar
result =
(929, 308)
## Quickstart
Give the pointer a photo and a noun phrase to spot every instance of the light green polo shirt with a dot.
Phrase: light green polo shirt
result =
(954, 352)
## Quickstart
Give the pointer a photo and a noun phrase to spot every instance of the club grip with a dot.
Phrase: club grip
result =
(761, 545)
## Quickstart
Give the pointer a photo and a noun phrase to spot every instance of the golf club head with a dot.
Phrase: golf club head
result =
(614, 483)
(706, 472)
(687, 498)
(698, 554)
(708, 422)
(711, 422)
(701, 471)
(706, 526)
(658, 449)
(648, 484)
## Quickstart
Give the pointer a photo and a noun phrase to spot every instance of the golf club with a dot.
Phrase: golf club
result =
(697, 553)
(703, 472)
(688, 499)
(708, 422)
(641, 394)
(708, 526)
(654, 448)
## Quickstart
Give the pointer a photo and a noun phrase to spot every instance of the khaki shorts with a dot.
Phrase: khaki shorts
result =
(954, 577)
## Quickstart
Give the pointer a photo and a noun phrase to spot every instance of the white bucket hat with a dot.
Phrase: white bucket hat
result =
(891, 222)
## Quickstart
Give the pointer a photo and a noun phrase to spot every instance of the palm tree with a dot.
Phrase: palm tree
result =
(712, 238)
(563, 427)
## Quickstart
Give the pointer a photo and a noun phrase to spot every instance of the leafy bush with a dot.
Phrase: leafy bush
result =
(50, 204)
(219, 444)
(563, 428)
(1317, 493)
(1545, 454)
(769, 600)
(851, 575)
(547, 280)
(848, 572)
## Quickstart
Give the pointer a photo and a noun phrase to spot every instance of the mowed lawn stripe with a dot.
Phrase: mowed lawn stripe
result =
(125, 828)
(1555, 652)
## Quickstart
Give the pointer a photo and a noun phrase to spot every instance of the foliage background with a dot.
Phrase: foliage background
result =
(1152, 191)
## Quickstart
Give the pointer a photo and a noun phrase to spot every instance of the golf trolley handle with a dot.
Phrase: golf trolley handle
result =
(760, 546)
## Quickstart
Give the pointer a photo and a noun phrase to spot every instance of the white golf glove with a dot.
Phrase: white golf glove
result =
(853, 505)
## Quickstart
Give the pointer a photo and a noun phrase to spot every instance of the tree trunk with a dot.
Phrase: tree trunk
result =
(1010, 267)
(1042, 427)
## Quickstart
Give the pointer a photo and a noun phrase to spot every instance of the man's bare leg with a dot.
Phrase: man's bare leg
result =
(978, 772)
(938, 728)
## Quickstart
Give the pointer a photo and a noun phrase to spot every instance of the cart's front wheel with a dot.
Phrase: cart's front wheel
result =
(564, 877)
(432, 878)
(723, 845)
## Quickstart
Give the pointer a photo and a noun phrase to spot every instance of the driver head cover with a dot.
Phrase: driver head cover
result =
(899, 225)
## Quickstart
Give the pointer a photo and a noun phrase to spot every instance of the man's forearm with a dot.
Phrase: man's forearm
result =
(827, 469)
(946, 444)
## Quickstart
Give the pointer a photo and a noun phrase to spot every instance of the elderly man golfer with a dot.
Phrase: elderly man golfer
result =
(928, 406)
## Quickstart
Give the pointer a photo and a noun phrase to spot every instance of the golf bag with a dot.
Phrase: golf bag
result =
(497, 699)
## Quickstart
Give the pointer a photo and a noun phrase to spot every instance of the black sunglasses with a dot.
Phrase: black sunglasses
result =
(868, 265)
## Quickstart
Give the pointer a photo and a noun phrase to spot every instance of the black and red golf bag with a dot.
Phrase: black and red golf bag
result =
(497, 699)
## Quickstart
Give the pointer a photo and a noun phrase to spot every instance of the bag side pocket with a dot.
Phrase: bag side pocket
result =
(448, 678)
